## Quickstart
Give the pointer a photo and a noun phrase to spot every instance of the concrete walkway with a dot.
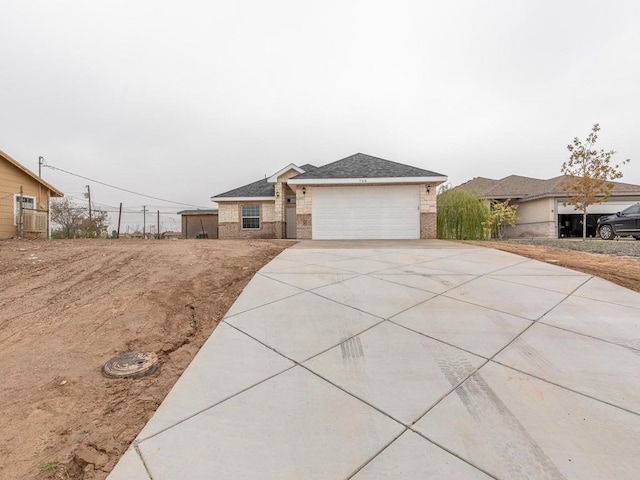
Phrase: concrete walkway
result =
(406, 360)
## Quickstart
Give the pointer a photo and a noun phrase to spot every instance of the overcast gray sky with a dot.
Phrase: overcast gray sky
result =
(185, 100)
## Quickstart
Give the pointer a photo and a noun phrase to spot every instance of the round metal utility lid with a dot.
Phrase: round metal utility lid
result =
(131, 365)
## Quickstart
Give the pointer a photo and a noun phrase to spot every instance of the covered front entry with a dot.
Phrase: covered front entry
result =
(290, 229)
(366, 212)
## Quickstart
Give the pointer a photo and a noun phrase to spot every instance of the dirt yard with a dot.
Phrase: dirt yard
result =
(66, 307)
(616, 261)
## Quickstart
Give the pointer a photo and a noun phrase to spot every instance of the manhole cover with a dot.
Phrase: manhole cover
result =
(131, 365)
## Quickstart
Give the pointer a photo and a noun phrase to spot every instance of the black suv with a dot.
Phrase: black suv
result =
(626, 222)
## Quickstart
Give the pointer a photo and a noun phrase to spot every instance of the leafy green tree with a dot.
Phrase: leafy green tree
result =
(501, 215)
(462, 215)
(589, 174)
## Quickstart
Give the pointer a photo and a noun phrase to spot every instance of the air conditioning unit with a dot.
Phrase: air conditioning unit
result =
(34, 222)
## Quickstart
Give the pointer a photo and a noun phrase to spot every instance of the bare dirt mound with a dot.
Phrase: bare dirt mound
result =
(66, 307)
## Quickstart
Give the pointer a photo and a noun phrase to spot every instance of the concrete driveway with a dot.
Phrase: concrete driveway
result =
(403, 360)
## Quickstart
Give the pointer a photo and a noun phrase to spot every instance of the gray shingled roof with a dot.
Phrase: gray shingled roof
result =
(355, 166)
(365, 166)
(527, 188)
(261, 188)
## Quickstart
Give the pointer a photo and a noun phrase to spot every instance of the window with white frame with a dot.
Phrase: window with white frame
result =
(28, 203)
(250, 216)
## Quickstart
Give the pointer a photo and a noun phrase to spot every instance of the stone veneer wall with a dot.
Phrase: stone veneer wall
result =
(303, 227)
(428, 227)
(230, 221)
(303, 213)
(428, 211)
(532, 230)
(281, 190)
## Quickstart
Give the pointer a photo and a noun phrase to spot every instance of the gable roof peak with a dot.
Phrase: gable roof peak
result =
(361, 165)
(292, 166)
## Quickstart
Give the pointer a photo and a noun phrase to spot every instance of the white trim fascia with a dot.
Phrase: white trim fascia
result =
(274, 178)
(363, 181)
(242, 199)
(564, 196)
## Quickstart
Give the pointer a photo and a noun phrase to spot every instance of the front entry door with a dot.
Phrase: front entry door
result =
(291, 222)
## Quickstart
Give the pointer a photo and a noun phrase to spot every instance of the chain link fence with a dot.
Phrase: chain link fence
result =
(19, 218)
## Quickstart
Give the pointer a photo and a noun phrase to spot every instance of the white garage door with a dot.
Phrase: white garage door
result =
(367, 212)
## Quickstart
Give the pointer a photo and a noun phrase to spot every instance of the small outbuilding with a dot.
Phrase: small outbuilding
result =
(199, 223)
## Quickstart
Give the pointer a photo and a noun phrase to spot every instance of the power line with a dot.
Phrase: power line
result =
(119, 188)
(104, 207)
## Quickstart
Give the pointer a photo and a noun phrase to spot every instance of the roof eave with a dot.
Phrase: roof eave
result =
(361, 181)
(242, 199)
(564, 195)
(54, 191)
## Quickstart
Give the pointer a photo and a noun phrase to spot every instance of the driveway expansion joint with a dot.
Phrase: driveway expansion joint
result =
(479, 398)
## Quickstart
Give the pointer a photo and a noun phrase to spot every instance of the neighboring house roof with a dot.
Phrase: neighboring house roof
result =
(526, 188)
(364, 166)
(54, 191)
(198, 212)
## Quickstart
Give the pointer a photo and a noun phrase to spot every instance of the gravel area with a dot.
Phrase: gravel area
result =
(624, 247)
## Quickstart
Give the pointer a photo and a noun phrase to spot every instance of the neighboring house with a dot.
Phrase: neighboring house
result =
(199, 223)
(32, 220)
(358, 197)
(540, 205)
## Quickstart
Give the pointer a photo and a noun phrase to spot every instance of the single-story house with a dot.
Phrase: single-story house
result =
(540, 205)
(201, 223)
(24, 201)
(357, 197)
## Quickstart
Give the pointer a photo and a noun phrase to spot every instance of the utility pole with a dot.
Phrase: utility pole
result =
(158, 229)
(144, 220)
(89, 197)
(40, 162)
(119, 219)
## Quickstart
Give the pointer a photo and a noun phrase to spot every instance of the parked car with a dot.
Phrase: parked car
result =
(624, 223)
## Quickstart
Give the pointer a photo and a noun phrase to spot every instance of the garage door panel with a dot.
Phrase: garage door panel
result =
(371, 212)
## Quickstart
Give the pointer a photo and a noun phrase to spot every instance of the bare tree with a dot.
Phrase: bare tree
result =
(589, 174)
(96, 225)
(74, 220)
(68, 216)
